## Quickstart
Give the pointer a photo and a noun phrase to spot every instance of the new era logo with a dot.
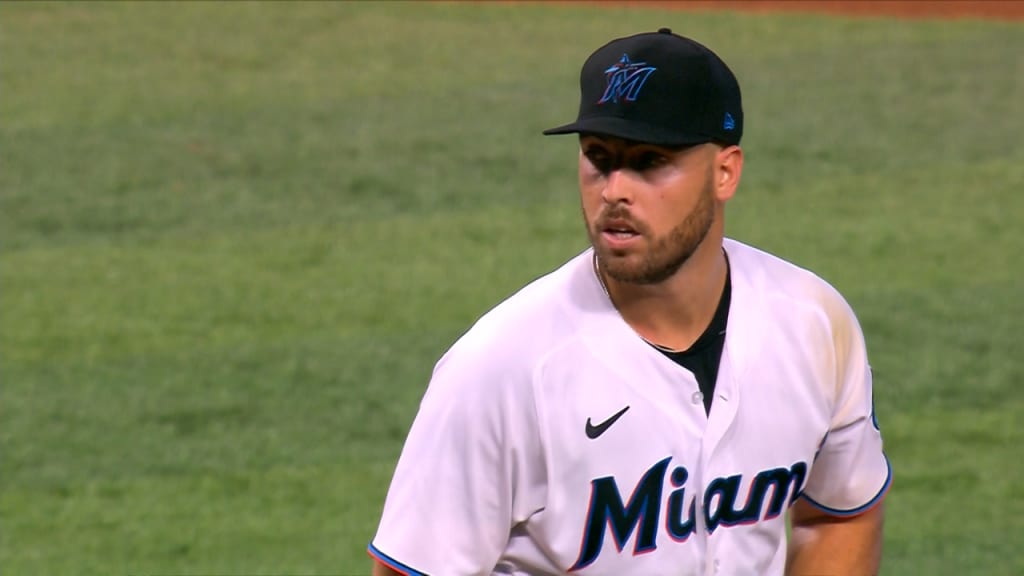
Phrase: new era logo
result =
(728, 123)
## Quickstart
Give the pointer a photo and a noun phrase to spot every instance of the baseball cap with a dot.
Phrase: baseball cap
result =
(658, 88)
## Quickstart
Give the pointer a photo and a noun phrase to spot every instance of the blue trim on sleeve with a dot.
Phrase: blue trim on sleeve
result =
(860, 509)
(391, 562)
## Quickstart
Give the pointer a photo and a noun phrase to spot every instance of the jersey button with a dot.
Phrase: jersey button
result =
(697, 398)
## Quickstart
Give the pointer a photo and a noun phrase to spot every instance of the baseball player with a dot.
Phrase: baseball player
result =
(664, 401)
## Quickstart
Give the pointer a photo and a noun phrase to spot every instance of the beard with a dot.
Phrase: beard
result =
(664, 255)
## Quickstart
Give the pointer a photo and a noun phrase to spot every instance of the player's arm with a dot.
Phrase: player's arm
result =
(469, 469)
(822, 544)
(836, 524)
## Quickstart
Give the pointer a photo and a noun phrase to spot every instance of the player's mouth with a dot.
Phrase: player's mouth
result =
(618, 234)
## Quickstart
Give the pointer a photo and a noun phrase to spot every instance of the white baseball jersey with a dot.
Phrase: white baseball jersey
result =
(552, 439)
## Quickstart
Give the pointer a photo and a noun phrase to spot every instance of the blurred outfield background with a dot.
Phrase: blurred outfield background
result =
(235, 238)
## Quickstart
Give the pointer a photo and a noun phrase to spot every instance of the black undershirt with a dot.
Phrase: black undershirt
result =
(704, 356)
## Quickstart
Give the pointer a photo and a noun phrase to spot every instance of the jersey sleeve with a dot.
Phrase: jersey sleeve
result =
(470, 469)
(851, 473)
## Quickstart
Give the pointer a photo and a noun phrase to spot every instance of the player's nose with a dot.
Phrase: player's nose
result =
(618, 188)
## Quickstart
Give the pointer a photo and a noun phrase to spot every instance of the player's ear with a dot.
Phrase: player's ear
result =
(728, 166)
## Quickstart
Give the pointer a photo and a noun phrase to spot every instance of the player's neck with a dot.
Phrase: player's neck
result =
(674, 313)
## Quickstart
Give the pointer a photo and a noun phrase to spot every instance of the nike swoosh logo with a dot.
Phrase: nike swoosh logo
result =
(595, 431)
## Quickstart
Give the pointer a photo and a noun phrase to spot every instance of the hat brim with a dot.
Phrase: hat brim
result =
(629, 130)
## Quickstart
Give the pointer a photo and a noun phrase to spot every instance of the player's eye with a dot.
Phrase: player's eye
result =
(600, 159)
(648, 160)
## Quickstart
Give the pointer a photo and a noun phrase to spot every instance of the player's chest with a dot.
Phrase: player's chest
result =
(599, 419)
(638, 471)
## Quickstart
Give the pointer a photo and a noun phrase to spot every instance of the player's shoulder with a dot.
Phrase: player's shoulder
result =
(785, 283)
(537, 319)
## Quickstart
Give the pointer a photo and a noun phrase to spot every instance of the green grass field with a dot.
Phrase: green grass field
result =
(236, 237)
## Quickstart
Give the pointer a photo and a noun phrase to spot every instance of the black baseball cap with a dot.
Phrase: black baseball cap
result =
(658, 88)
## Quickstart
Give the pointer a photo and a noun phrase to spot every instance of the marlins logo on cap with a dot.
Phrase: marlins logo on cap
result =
(625, 79)
(658, 88)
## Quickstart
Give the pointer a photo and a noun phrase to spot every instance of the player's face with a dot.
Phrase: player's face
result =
(647, 208)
